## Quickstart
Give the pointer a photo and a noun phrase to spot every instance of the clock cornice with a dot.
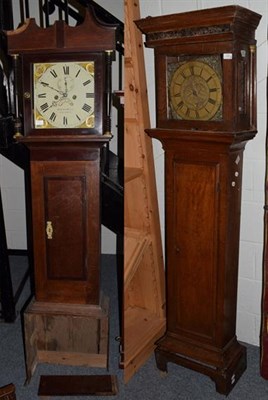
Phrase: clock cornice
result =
(91, 35)
(200, 25)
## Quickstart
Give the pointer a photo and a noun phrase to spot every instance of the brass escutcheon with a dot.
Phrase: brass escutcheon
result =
(49, 230)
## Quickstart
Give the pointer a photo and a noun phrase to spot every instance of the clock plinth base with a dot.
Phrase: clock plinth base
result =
(67, 334)
(225, 368)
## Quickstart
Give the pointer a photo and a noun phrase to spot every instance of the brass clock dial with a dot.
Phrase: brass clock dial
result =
(63, 95)
(195, 91)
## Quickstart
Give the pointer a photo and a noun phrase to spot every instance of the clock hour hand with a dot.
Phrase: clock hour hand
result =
(66, 88)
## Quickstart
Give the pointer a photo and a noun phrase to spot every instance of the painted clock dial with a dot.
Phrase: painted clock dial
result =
(64, 95)
(195, 91)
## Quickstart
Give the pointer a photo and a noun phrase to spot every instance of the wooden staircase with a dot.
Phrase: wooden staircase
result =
(144, 308)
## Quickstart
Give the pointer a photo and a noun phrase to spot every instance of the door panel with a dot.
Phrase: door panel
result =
(194, 264)
(66, 230)
(65, 212)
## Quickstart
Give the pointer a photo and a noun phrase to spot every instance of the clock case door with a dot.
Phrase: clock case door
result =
(28, 99)
(65, 205)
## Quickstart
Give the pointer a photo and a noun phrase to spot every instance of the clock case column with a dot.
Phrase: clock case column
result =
(203, 175)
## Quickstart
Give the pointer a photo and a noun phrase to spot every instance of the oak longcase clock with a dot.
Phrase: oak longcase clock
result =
(205, 79)
(65, 79)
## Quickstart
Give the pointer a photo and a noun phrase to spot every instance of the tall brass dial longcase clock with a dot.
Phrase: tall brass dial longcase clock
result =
(206, 112)
(66, 122)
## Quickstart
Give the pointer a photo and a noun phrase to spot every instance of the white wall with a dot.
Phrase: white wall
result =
(251, 243)
(12, 177)
(12, 189)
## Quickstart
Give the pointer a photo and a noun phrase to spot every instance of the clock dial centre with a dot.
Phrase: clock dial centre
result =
(195, 92)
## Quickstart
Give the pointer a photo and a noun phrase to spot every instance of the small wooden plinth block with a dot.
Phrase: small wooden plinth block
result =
(78, 385)
(68, 334)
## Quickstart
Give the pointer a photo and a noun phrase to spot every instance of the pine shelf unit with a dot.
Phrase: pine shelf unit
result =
(144, 301)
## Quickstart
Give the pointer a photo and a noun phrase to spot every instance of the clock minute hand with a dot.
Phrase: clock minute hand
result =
(51, 87)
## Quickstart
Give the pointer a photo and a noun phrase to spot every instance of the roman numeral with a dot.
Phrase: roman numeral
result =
(89, 95)
(53, 73)
(66, 69)
(86, 107)
(78, 72)
(212, 101)
(44, 84)
(77, 116)
(52, 117)
(180, 105)
(44, 107)
(42, 95)
(65, 121)
(213, 90)
(197, 115)
(87, 82)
